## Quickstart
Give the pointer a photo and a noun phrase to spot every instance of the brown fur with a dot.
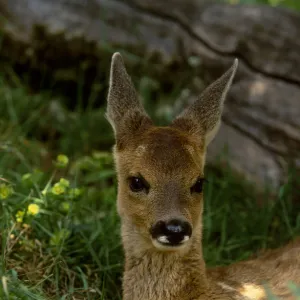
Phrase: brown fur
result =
(171, 159)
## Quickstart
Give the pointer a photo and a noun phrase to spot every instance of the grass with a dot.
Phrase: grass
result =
(58, 224)
(292, 4)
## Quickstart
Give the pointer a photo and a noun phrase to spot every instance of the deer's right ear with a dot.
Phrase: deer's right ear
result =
(202, 118)
(124, 109)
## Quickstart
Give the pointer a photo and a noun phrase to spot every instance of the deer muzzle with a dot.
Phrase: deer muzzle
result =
(171, 234)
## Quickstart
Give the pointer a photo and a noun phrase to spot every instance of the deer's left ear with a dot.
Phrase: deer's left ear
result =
(203, 117)
(124, 109)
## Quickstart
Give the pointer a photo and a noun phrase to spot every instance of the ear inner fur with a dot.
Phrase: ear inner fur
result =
(204, 115)
(124, 109)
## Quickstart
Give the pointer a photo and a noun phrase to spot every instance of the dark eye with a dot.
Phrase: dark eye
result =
(198, 186)
(137, 184)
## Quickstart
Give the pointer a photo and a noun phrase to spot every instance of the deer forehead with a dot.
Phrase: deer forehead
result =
(164, 152)
(142, 149)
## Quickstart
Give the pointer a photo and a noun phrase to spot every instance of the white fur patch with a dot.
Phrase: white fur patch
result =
(140, 150)
(163, 239)
(185, 239)
(226, 286)
(162, 243)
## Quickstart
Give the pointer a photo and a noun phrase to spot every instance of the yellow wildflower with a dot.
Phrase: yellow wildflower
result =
(58, 189)
(65, 206)
(62, 161)
(64, 182)
(5, 191)
(20, 215)
(74, 193)
(33, 209)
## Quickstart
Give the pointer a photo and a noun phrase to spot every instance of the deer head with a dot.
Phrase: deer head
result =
(160, 169)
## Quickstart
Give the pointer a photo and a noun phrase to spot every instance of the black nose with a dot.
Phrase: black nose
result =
(172, 232)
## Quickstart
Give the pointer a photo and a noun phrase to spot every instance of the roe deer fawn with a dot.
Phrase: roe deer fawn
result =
(160, 202)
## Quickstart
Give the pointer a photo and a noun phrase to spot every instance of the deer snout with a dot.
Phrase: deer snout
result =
(174, 232)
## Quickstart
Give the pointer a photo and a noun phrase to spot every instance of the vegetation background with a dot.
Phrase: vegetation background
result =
(59, 231)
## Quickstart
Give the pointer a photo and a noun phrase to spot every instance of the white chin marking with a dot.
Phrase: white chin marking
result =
(162, 243)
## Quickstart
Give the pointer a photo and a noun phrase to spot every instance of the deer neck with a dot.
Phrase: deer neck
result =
(159, 275)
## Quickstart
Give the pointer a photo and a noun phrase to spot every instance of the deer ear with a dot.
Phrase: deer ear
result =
(203, 117)
(124, 109)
